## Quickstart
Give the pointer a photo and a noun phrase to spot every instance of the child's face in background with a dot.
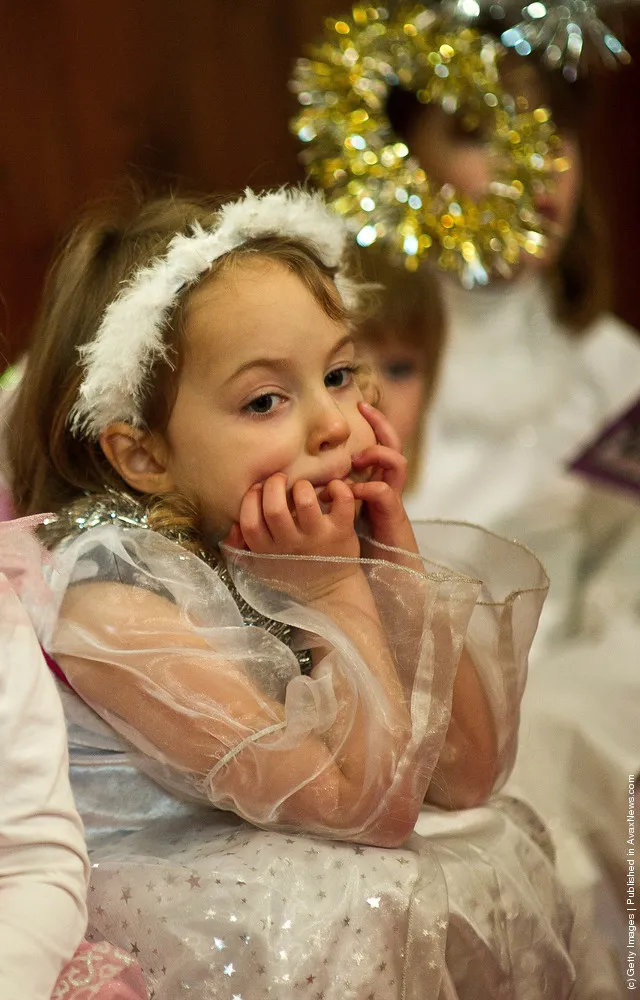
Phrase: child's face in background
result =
(267, 386)
(450, 153)
(401, 376)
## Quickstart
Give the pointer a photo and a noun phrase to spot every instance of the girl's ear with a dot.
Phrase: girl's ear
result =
(138, 456)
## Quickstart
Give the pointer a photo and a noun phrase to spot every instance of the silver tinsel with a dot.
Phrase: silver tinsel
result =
(562, 30)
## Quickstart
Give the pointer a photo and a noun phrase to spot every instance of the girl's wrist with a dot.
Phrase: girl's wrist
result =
(399, 536)
(343, 592)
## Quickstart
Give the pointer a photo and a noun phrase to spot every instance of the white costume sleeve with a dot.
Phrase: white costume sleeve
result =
(43, 861)
(610, 352)
(165, 630)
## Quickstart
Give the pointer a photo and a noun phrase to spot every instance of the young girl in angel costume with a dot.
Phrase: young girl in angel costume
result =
(260, 698)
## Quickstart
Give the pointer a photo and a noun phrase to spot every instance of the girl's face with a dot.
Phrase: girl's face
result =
(267, 386)
(450, 153)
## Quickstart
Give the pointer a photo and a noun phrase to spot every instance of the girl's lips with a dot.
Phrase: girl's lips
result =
(342, 474)
(349, 479)
(549, 212)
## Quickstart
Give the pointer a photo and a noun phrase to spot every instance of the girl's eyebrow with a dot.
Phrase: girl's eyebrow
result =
(346, 341)
(284, 364)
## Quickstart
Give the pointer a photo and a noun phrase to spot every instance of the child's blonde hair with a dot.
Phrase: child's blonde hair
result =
(49, 466)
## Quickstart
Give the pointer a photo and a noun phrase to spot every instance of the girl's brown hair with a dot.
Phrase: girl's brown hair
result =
(406, 311)
(50, 467)
(580, 278)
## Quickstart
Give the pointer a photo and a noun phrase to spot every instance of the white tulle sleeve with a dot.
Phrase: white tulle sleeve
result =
(152, 638)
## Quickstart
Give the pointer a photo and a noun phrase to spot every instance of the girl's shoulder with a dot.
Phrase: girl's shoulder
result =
(108, 538)
(114, 538)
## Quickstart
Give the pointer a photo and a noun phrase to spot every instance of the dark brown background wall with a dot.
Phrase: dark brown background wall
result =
(196, 90)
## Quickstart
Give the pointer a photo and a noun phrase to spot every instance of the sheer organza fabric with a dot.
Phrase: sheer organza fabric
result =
(220, 711)
(210, 906)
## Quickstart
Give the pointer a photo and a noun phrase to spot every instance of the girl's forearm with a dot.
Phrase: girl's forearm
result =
(352, 608)
(468, 765)
(467, 769)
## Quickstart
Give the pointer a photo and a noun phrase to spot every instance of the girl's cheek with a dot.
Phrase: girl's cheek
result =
(268, 465)
(366, 434)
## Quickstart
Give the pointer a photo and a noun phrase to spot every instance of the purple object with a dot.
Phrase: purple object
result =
(614, 457)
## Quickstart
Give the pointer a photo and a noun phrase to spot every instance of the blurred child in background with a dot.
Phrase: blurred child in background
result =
(534, 367)
(405, 335)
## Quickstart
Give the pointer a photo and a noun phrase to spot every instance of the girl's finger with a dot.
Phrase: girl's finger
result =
(384, 432)
(306, 506)
(275, 509)
(383, 503)
(252, 523)
(391, 462)
(343, 505)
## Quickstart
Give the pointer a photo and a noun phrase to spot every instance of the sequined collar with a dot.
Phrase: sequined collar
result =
(93, 511)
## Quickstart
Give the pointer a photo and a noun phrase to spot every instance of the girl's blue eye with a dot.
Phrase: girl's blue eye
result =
(339, 377)
(263, 404)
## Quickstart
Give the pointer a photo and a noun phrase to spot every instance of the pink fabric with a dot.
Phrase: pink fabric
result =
(99, 971)
(22, 557)
(54, 668)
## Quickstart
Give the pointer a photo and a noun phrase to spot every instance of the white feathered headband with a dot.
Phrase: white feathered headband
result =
(129, 340)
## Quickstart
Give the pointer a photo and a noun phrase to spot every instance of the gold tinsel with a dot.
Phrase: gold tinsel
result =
(368, 173)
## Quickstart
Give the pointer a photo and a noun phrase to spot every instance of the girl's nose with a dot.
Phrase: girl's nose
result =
(327, 427)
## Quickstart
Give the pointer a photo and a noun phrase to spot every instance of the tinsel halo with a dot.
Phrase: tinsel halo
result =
(369, 175)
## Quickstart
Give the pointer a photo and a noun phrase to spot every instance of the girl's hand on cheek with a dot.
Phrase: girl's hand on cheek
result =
(382, 494)
(273, 523)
